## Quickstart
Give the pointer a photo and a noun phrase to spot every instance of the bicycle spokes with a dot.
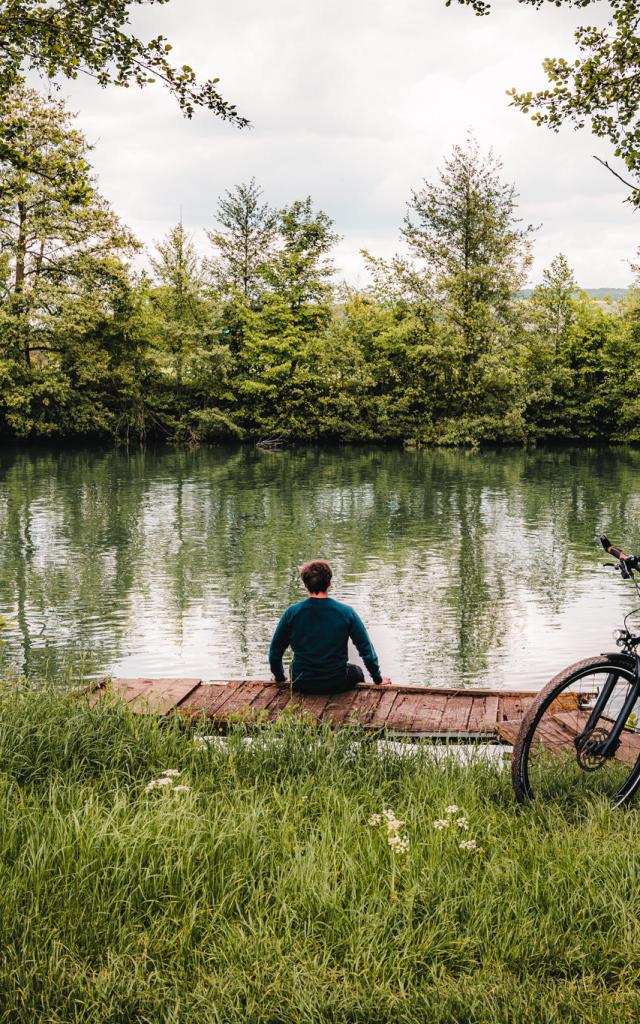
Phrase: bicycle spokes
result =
(586, 738)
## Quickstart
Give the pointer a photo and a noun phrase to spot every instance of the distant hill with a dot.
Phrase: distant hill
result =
(614, 294)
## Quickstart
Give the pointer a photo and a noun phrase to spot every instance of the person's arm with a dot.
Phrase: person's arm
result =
(364, 647)
(279, 644)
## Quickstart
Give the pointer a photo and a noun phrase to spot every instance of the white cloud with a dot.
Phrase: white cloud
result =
(355, 102)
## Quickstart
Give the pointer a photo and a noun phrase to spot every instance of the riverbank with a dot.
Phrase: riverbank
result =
(253, 886)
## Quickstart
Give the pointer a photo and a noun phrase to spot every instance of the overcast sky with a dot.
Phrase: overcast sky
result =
(355, 102)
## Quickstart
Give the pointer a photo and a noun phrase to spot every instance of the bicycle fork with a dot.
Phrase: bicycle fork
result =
(607, 747)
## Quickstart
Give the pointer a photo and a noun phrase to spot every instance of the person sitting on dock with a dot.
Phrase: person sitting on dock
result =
(318, 630)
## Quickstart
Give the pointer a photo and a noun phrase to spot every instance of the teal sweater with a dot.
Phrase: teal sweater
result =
(318, 630)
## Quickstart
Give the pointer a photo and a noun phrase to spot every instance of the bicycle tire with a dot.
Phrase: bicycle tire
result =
(624, 669)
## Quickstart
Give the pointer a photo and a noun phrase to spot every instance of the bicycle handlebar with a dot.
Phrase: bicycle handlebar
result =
(609, 548)
(627, 562)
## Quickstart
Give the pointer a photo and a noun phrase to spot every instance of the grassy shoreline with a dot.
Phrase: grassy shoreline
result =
(262, 893)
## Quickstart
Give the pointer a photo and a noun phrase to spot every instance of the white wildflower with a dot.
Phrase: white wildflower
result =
(441, 823)
(393, 824)
(399, 844)
(171, 773)
(452, 809)
(468, 844)
(156, 783)
(462, 823)
(181, 789)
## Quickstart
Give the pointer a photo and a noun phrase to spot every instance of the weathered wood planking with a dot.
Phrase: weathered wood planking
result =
(148, 696)
(557, 732)
(409, 710)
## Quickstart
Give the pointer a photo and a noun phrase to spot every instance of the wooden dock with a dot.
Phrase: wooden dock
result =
(433, 712)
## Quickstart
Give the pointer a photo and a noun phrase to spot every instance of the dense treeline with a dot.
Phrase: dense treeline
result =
(250, 335)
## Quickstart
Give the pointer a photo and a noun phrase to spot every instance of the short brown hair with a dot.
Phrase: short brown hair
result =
(316, 575)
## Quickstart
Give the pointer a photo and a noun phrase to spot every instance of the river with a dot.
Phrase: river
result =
(469, 568)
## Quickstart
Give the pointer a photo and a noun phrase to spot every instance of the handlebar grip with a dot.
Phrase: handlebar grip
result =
(616, 552)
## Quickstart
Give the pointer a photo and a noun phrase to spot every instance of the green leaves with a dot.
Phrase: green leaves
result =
(600, 88)
(64, 38)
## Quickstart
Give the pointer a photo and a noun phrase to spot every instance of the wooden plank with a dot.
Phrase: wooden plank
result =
(553, 736)
(509, 729)
(240, 700)
(339, 707)
(512, 707)
(411, 710)
(566, 701)
(399, 719)
(364, 705)
(398, 687)
(477, 718)
(268, 694)
(388, 698)
(208, 700)
(429, 718)
(163, 695)
(281, 700)
(315, 703)
(123, 689)
(405, 710)
(491, 712)
(456, 715)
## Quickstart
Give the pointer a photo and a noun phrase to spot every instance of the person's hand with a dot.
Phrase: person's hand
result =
(279, 682)
(385, 681)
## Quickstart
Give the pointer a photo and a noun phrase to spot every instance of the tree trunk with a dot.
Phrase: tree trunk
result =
(21, 256)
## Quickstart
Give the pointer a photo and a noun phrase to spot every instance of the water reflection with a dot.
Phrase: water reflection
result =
(467, 567)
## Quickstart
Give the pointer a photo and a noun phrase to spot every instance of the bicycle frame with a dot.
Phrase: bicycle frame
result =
(629, 643)
(608, 746)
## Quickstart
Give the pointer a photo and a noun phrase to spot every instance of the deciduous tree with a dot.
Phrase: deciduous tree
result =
(70, 37)
(65, 278)
(601, 87)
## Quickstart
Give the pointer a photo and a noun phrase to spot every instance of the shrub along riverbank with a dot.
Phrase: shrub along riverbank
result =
(253, 886)
(245, 332)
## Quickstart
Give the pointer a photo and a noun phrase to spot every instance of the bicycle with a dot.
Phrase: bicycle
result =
(581, 734)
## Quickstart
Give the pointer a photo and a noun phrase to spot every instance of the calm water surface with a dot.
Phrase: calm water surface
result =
(468, 568)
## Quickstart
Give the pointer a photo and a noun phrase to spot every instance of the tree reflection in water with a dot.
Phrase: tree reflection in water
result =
(468, 567)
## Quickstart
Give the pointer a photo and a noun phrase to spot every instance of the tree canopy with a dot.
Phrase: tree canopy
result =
(70, 37)
(600, 87)
(243, 331)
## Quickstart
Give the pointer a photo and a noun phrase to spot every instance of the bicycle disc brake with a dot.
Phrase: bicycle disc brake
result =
(587, 753)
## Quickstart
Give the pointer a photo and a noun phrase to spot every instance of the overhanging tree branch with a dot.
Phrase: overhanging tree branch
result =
(600, 88)
(63, 38)
(606, 164)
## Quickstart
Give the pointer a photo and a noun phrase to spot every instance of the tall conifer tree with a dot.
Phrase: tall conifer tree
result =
(243, 240)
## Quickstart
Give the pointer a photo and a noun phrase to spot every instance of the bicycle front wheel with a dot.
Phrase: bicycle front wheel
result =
(561, 750)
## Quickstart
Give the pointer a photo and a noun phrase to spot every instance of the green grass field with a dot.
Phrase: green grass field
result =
(263, 894)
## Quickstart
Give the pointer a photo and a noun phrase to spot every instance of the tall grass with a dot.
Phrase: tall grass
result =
(262, 894)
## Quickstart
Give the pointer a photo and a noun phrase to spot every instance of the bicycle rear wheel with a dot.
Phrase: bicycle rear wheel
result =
(557, 755)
